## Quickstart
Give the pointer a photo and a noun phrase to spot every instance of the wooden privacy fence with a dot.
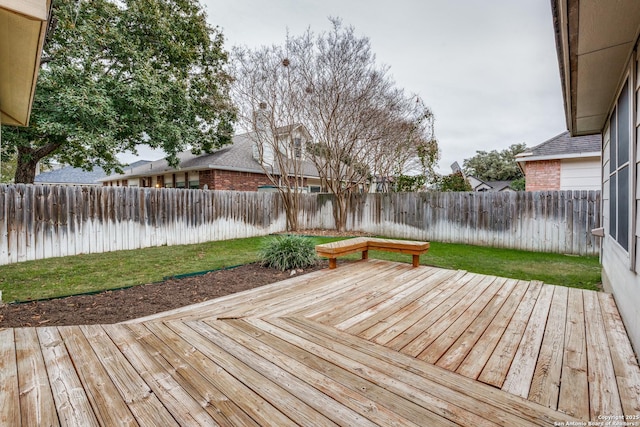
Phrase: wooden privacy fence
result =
(39, 222)
(48, 221)
(546, 221)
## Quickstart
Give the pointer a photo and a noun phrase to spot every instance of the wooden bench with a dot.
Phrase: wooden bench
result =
(365, 244)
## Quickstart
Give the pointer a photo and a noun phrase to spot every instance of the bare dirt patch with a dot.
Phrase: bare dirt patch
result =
(143, 300)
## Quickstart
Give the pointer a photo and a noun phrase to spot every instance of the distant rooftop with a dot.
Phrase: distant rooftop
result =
(563, 146)
(76, 176)
(237, 156)
(71, 176)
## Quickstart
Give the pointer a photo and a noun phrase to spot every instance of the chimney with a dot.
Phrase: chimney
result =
(262, 142)
(261, 118)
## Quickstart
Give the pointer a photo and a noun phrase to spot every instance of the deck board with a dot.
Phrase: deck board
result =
(498, 365)
(460, 329)
(477, 358)
(410, 327)
(36, 398)
(545, 386)
(574, 386)
(440, 319)
(518, 380)
(157, 373)
(72, 403)
(143, 403)
(624, 360)
(9, 388)
(603, 389)
(370, 343)
(466, 340)
(481, 401)
(385, 311)
(211, 397)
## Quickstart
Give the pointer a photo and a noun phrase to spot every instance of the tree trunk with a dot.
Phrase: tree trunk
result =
(340, 211)
(26, 167)
(27, 162)
(291, 208)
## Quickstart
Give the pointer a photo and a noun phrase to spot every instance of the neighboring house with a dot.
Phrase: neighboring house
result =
(237, 166)
(598, 52)
(23, 25)
(564, 162)
(70, 176)
(491, 186)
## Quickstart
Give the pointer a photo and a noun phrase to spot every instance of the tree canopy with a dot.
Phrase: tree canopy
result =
(495, 165)
(362, 126)
(453, 182)
(119, 74)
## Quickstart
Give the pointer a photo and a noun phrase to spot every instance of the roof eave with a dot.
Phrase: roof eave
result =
(20, 51)
(559, 156)
(559, 14)
(594, 42)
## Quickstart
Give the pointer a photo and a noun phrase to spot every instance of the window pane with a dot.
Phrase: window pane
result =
(613, 144)
(623, 207)
(638, 101)
(613, 203)
(623, 126)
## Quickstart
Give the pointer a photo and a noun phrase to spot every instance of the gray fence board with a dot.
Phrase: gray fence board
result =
(549, 221)
(39, 222)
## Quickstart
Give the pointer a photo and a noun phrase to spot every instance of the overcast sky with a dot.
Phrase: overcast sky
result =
(487, 68)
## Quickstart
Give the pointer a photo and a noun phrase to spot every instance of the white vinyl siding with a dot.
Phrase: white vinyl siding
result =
(580, 174)
(620, 264)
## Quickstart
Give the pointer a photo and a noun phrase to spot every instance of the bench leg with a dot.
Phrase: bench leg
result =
(416, 260)
(332, 263)
(365, 254)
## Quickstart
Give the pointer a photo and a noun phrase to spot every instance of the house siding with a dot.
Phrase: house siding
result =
(580, 174)
(543, 175)
(619, 266)
(232, 180)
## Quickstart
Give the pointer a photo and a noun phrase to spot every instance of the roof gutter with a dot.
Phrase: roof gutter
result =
(152, 172)
(566, 35)
(531, 158)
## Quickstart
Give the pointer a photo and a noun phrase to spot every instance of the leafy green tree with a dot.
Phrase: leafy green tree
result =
(519, 184)
(409, 183)
(118, 74)
(495, 165)
(453, 182)
(7, 169)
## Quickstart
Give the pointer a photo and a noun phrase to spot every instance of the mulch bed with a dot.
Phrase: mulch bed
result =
(138, 301)
(143, 300)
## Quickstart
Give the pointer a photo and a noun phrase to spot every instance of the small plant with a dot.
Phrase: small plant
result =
(288, 252)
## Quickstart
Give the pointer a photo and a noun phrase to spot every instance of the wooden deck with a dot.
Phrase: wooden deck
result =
(370, 343)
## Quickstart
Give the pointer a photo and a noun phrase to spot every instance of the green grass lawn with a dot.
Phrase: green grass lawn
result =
(95, 272)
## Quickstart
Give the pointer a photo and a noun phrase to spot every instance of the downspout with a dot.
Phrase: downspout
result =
(0, 143)
(633, 159)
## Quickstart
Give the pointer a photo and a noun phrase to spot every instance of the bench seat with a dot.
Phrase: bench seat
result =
(365, 244)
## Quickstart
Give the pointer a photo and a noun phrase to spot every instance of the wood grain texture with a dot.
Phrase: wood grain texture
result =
(261, 357)
(39, 222)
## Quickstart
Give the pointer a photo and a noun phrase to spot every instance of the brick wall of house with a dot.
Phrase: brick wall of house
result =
(208, 178)
(232, 180)
(542, 175)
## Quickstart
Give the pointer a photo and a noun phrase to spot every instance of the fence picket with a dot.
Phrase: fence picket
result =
(47, 221)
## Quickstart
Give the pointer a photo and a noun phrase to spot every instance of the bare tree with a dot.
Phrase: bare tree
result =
(265, 93)
(410, 147)
(360, 124)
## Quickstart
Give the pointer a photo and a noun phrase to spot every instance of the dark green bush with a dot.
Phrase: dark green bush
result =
(288, 252)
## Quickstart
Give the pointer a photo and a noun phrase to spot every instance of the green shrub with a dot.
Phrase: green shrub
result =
(288, 252)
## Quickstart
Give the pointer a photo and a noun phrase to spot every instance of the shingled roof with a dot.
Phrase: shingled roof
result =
(71, 176)
(563, 146)
(237, 156)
